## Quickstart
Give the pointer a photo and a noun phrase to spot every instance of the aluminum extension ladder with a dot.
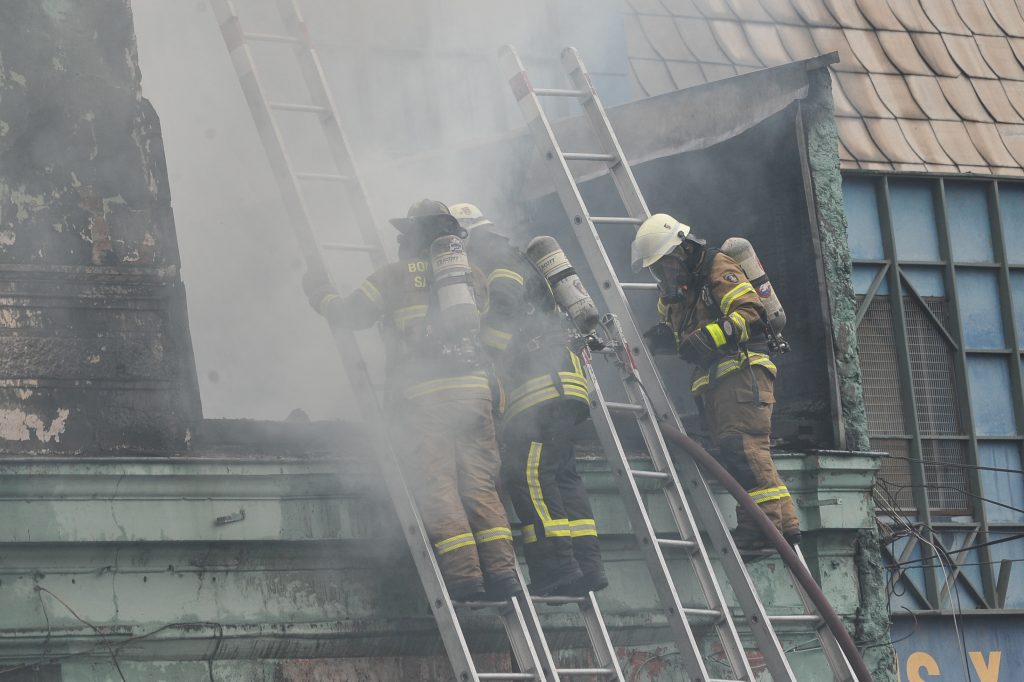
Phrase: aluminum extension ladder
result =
(689, 499)
(522, 625)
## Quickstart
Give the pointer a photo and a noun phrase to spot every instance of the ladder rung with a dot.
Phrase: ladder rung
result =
(557, 600)
(304, 108)
(506, 676)
(801, 618)
(585, 156)
(609, 220)
(329, 177)
(365, 248)
(625, 408)
(480, 604)
(709, 613)
(271, 38)
(680, 544)
(641, 473)
(638, 286)
(582, 672)
(559, 92)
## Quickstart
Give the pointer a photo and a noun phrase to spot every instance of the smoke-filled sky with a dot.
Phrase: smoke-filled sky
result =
(260, 349)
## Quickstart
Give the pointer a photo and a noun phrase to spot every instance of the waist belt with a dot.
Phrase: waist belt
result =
(472, 383)
(570, 385)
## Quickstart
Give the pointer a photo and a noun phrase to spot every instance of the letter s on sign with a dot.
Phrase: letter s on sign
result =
(918, 660)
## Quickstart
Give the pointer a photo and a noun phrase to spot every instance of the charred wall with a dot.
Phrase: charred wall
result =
(94, 341)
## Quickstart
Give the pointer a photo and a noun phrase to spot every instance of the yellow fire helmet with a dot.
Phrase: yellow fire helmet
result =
(657, 236)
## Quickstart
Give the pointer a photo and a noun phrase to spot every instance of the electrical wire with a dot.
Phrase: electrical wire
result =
(949, 465)
(928, 486)
(1018, 536)
(96, 629)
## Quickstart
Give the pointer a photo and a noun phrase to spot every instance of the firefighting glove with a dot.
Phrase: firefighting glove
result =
(699, 348)
(318, 287)
(660, 338)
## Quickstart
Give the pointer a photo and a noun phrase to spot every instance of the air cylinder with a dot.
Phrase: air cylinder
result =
(569, 292)
(451, 276)
(741, 251)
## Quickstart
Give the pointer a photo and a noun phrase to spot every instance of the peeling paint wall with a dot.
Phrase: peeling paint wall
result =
(94, 344)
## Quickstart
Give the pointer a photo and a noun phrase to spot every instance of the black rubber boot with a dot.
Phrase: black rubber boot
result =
(560, 586)
(503, 586)
(467, 590)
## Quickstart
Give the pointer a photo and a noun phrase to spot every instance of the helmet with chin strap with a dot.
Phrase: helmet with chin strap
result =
(657, 237)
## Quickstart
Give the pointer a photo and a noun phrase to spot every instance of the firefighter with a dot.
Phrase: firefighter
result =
(545, 395)
(440, 405)
(713, 318)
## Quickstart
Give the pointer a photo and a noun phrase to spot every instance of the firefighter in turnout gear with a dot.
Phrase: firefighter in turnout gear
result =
(545, 394)
(440, 402)
(714, 319)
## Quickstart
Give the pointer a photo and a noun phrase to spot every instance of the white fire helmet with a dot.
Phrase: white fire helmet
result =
(657, 237)
(469, 216)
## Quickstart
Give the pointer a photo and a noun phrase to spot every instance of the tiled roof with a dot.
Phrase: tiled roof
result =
(922, 85)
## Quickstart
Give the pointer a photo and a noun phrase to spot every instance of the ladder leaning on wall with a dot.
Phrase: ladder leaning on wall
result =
(529, 646)
(690, 501)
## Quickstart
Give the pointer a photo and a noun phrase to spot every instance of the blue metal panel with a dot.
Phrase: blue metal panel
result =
(991, 400)
(999, 485)
(1017, 294)
(991, 648)
(1011, 203)
(903, 598)
(913, 220)
(969, 225)
(864, 229)
(926, 281)
(979, 308)
(1012, 550)
(863, 275)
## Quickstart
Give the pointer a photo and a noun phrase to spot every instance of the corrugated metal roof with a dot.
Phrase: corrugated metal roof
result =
(923, 85)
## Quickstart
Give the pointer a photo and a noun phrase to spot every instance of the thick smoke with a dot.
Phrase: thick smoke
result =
(417, 84)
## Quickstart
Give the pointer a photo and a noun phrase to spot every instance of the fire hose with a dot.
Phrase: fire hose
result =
(787, 553)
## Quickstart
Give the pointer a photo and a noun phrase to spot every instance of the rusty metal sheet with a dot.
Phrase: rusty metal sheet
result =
(889, 138)
(902, 52)
(999, 56)
(798, 42)
(1013, 138)
(1008, 16)
(716, 72)
(697, 35)
(911, 15)
(1015, 93)
(682, 8)
(930, 98)
(964, 99)
(731, 37)
(953, 137)
(765, 40)
(857, 139)
(896, 94)
(945, 17)
(637, 44)
(783, 12)
(934, 50)
(834, 40)
(879, 15)
(750, 10)
(869, 51)
(966, 54)
(714, 9)
(921, 137)
(652, 76)
(976, 15)
(814, 13)
(847, 14)
(686, 74)
(859, 88)
(664, 38)
(993, 96)
(987, 141)
(843, 107)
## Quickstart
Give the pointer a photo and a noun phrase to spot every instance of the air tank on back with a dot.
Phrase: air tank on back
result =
(741, 251)
(569, 292)
(458, 314)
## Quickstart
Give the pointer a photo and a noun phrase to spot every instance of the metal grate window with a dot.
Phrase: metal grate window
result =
(947, 486)
(931, 362)
(895, 485)
(880, 376)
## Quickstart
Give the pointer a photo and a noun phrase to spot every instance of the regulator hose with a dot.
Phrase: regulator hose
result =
(803, 576)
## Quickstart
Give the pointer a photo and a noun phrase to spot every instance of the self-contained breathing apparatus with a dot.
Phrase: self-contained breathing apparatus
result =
(774, 316)
(548, 259)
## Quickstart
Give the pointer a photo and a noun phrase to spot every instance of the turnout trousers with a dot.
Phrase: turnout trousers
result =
(539, 473)
(450, 457)
(739, 419)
